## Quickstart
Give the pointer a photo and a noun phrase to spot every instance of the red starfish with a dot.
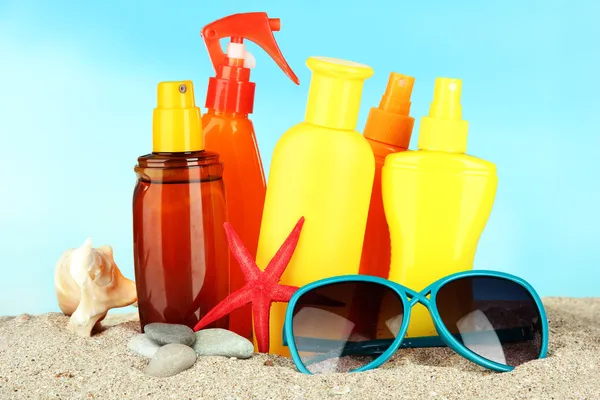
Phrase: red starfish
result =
(261, 288)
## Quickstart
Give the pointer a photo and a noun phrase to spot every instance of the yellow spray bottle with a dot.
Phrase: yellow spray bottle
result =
(322, 169)
(437, 201)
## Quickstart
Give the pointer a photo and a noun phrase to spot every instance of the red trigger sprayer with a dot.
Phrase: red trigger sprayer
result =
(229, 132)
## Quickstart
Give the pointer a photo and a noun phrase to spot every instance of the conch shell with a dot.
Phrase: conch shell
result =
(88, 283)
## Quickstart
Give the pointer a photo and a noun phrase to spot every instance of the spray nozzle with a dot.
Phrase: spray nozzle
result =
(237, 55)
(176, 124)
(174, 95)
(446, 99)
(444, 129)
(256, 27)
(231, 90)
(397, 94)
(391, 122)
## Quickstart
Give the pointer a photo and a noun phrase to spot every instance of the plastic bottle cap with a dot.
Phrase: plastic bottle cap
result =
(176, 125)
(444, 129)
(390, 123)
(335, 92)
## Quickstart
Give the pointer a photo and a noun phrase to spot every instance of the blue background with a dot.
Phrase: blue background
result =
(78, 86)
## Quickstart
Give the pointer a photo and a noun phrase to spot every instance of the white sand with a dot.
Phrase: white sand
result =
(40, 359)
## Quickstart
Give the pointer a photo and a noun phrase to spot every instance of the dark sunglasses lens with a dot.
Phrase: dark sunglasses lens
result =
(344, 326)
(494, 317)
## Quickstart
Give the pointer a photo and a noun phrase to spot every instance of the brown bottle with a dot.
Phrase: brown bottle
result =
(180, 248)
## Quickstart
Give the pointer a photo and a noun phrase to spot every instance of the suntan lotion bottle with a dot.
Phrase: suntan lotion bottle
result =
(437, 201)
(322, 169)
(179, 245)
(388, 130)
(229, 131)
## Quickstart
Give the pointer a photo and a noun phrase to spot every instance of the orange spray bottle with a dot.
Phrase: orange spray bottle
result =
(229, 132)
(388, 130)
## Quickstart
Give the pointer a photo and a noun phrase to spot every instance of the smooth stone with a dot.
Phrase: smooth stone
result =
(221, 342)
(170, 360)
(170, 333)
(143, 345)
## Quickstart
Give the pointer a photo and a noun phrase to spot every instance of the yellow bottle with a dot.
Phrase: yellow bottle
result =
(437, 201)
(321, 169)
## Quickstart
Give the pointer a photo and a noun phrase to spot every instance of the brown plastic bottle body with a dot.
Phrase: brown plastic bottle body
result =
(376, 254)
(181, 253)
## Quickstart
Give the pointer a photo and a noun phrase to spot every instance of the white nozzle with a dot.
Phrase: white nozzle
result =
(238, 51)
(249, 61)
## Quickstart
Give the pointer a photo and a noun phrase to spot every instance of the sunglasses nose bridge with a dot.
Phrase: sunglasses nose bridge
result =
(419, 298)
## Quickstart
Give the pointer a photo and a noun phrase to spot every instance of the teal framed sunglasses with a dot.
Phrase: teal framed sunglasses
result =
(354, 323)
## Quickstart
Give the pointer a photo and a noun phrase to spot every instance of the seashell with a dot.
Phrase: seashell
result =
(88, 283)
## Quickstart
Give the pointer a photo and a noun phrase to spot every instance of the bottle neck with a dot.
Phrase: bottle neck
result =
(444, 129)
(167, 154)
(447, 135)
(333, 102)
(178, 159)
(227, 114)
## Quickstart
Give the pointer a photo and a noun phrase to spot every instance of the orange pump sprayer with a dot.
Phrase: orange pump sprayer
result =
(229, 132)
(388, 130)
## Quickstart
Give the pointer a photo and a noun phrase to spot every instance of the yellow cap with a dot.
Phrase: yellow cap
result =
(444, 129)
(335, 92)
(176, 126)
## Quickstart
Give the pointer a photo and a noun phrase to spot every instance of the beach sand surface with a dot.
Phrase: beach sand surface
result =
(40, 359)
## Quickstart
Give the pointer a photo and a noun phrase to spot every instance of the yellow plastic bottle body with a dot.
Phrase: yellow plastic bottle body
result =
(325, 175)
(437, 205)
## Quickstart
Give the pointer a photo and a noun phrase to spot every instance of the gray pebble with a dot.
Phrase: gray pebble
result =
(221, 342)
(170, 333)
(143, 345)
(170, 360)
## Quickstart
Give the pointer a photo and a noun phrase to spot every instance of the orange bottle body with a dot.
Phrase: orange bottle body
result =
(388, 130)
(229, 132)
(232, 136)
(181, 253)
(376, 253)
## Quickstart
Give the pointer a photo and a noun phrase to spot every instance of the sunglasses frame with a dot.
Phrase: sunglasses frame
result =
(409, 298)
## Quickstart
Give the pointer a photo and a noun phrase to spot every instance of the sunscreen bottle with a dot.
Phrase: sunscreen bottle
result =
(437, 201)
(179, 245)
(229, 131)
(388, 130)
(322, 169)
